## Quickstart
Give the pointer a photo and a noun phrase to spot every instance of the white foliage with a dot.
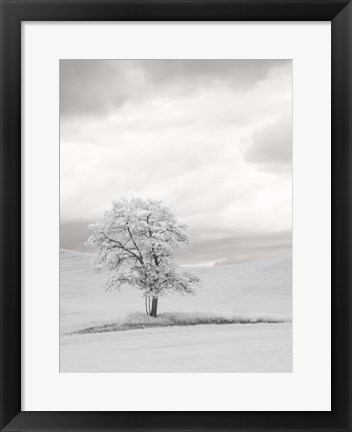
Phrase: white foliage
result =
(137, 240)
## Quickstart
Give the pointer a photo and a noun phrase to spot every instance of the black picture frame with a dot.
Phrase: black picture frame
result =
(13, 12)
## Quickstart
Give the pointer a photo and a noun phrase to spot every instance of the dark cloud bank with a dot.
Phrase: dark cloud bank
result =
(97, 87)
(222, 251)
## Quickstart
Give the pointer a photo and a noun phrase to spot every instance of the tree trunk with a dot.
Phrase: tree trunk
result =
(154, 310)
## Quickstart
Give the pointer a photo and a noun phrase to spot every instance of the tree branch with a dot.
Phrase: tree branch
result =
(122, 247)
(135, 244)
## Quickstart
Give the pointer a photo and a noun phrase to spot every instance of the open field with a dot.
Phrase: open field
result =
(203, 348)
(258, 292)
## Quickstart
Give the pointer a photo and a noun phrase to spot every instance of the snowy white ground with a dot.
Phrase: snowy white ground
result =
(249, 289)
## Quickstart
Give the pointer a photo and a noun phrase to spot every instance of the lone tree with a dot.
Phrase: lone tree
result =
(137, 240)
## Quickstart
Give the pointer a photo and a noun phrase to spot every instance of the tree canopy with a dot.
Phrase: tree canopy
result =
(137, 240)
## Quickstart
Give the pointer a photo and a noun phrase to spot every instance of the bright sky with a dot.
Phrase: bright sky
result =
(212, 139)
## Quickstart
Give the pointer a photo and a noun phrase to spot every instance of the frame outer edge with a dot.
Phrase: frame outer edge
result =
(10, 220)
(10, 214)
(342, 216)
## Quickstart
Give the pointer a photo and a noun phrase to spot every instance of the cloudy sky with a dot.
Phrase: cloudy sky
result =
(212, 139)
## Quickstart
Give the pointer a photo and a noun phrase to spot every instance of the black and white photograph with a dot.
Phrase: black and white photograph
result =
(176, 216)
